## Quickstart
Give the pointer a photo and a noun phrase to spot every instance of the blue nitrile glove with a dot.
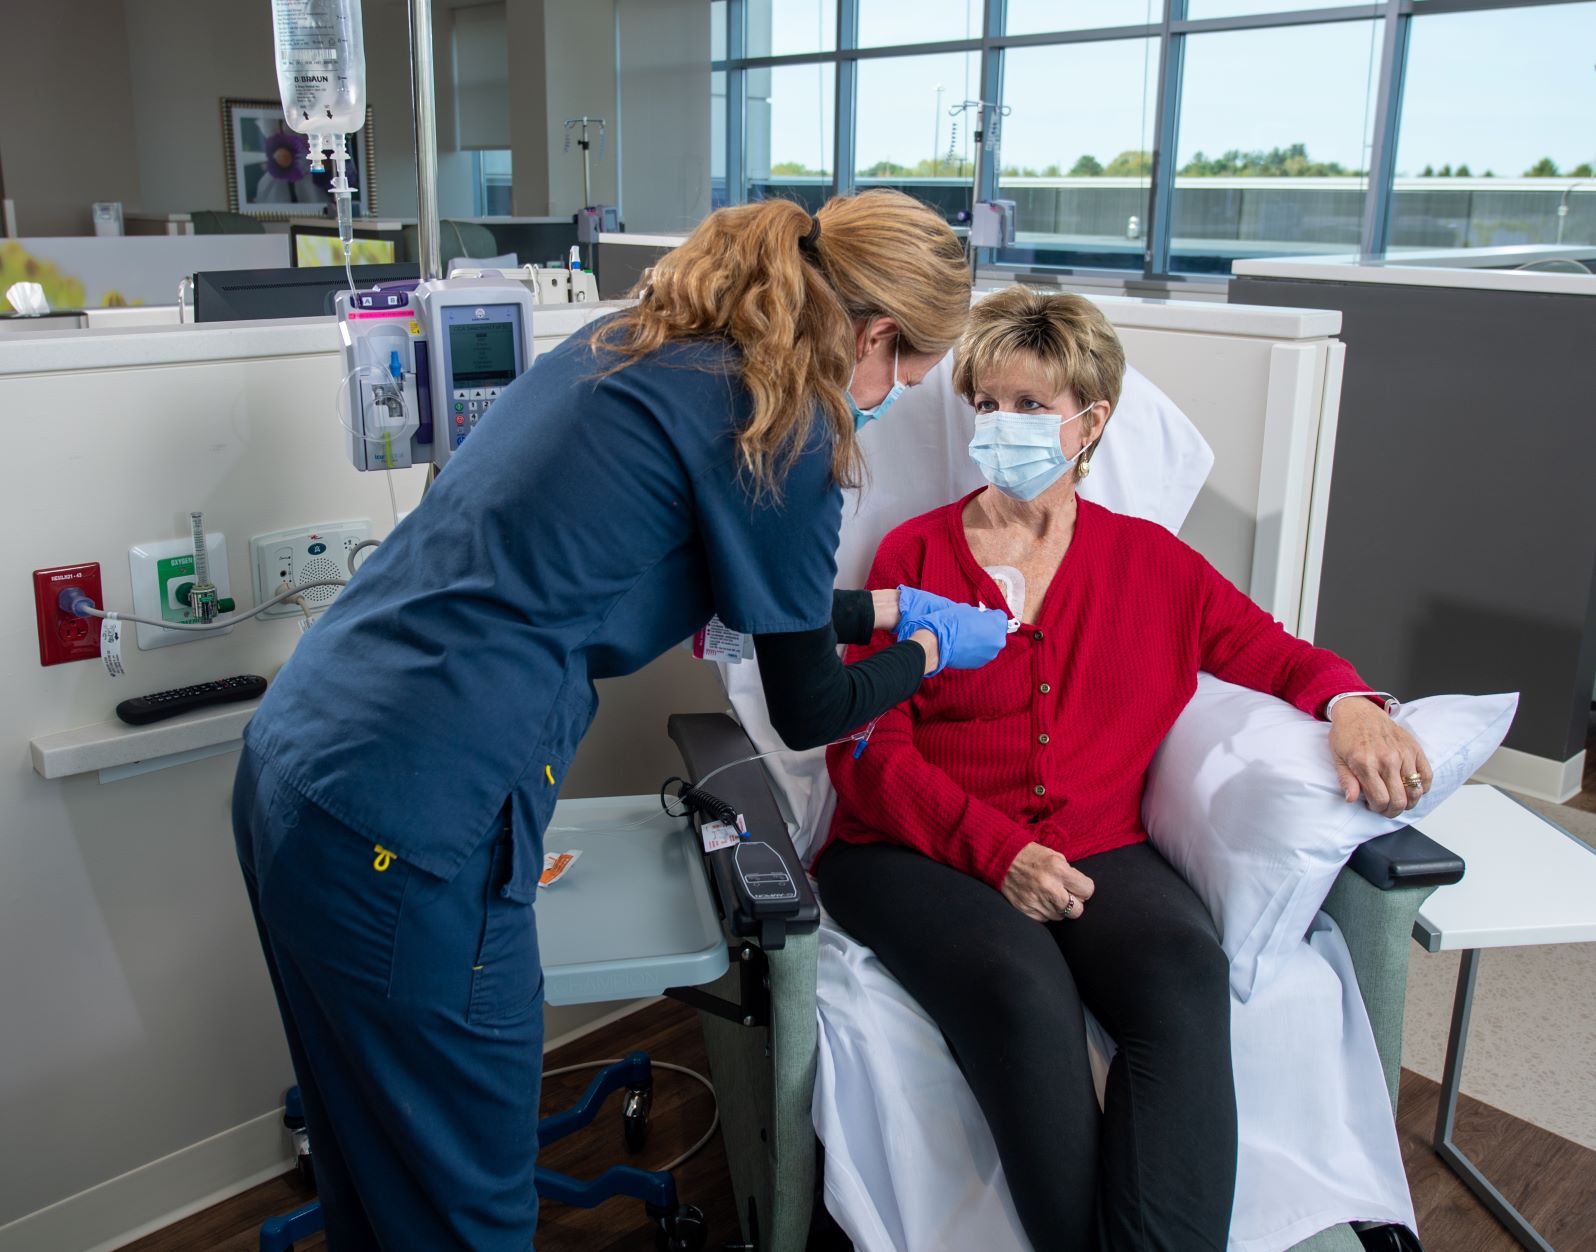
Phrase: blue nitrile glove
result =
(912, 602)
(967, 637)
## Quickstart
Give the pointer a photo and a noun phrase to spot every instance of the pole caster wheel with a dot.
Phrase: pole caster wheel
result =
(294, 1123)
(634, 1117)
(683, 1231)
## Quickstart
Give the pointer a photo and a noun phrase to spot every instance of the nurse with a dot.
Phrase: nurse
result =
(679, 459)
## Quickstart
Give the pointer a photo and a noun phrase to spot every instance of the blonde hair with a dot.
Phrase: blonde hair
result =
(1066, 336)
(758, 276)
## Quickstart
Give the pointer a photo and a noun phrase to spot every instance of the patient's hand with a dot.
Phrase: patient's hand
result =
(1046, 887)
(1377, 759)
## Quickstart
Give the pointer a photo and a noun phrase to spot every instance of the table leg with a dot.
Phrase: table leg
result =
(1451, 1082)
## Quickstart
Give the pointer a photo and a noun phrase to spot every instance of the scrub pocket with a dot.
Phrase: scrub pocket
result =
(507, 976)
(329, 897)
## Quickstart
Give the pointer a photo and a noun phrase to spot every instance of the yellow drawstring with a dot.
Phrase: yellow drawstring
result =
(383, 859)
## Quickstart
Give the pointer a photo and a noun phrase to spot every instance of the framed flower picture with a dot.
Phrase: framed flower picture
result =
(267, 165)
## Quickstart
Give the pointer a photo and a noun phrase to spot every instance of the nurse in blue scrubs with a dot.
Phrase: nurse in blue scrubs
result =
(680, 459)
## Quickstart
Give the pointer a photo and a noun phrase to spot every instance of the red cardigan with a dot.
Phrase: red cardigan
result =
(1051, 741)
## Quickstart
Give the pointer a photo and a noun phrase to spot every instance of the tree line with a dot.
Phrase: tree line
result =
(1291, 161)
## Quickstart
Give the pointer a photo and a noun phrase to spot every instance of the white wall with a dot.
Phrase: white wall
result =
(66, 128)
(138, 1021)
(580, 81)
(149, 132)
(663, 54)
(184, 59)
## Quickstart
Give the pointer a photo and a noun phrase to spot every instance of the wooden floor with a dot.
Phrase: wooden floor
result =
(1548, 1179)
(1552, 1181)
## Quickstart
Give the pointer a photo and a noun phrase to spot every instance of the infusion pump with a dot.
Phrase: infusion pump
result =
(424, 362)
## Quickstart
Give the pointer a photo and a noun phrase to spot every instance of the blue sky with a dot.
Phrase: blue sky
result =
(1495, 90)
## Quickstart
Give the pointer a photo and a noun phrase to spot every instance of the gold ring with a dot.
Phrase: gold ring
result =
(1415, 782)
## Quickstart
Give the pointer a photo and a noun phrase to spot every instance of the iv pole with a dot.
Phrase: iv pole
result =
(424, 99)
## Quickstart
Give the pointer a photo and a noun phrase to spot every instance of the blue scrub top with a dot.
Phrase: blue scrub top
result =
(588, 524)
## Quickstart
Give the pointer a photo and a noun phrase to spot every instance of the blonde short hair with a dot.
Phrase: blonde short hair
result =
(1066, 335)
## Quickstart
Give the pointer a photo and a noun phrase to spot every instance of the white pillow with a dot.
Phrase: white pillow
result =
(1242, 799)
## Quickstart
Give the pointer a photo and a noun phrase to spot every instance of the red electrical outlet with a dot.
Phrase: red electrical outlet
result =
(63, 637)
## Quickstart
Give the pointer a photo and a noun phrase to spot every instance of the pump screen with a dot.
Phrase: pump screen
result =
(482, 354)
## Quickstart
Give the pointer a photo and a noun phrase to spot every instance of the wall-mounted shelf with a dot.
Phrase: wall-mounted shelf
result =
(117, 750)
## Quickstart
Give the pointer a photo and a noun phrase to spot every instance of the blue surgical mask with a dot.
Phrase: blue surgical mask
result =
(1019, 452)
(861, 416)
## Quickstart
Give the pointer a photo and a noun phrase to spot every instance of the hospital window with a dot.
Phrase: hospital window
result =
(1075, 152)
(1040, 17)
(1201, 10)
(1271, 115)
(905, 137)
(1273, 148)
(781, 28)
(717, 30)
(790, 132)
(883, 23)
(1496, 145)
(491, 169)
(718, 191)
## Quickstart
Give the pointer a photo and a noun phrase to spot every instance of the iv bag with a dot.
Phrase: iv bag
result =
(321, 65)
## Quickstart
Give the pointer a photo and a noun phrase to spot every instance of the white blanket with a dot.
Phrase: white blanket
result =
(911, 1166)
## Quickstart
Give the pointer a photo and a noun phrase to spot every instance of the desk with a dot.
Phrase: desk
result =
(1527, 882)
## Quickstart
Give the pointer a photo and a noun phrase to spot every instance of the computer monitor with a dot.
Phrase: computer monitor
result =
(320, 245)
(253, 295)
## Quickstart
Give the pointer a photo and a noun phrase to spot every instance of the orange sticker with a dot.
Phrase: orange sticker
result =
(555, 867)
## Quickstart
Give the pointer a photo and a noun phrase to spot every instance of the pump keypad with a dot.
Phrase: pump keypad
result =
(469, 404)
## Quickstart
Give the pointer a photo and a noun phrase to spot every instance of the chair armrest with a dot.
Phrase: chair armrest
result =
(1406, 858)
(751, 907)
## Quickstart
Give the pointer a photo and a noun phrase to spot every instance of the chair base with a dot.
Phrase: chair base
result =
(678, 1227)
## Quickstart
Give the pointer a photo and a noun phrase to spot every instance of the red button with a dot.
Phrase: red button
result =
(459, 421)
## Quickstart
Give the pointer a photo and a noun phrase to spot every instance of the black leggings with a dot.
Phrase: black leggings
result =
(1156, 1170)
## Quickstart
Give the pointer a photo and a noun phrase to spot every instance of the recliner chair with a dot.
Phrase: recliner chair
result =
(762, 1056)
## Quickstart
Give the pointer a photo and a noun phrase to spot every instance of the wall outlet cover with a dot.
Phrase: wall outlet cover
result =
(159, 570)
(63, 637)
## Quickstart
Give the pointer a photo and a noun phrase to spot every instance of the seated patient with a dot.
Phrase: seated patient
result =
(988, 842)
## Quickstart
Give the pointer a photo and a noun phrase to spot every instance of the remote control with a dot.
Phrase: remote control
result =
(141, 710)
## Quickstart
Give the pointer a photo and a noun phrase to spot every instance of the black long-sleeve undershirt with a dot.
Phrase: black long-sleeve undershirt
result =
(812, 697)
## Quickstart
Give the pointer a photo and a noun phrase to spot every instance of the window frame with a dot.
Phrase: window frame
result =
(1171, 31)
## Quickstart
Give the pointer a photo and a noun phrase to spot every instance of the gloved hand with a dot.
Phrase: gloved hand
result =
(967, 637)
(912, 602)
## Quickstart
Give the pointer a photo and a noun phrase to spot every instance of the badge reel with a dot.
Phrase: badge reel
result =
(1012, 584)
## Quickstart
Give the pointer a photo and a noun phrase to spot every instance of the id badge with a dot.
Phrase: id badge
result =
(718, 642)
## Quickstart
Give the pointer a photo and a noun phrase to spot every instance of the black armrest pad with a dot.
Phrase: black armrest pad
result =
(1406, 858)
(706, 742)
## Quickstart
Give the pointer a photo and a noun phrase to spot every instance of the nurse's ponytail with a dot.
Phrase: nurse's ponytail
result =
(789, 295)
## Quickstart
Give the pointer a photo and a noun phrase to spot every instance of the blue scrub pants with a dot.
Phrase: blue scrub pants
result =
(414, 1013)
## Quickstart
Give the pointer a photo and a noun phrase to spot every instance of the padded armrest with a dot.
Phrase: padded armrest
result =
(1406, 858)
(706, 742)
